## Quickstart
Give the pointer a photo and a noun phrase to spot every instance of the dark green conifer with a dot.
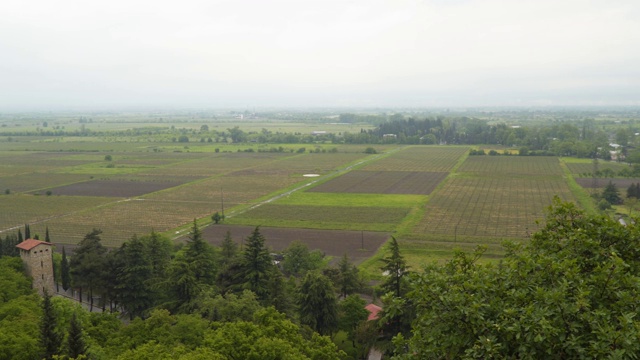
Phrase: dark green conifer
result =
(76, 346)
(256, 265)
(49, 337)
(65, 277)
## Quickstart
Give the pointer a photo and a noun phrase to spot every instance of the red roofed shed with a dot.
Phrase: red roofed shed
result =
(373, 311)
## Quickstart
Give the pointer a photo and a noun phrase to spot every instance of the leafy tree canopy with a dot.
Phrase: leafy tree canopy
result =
(573, 292)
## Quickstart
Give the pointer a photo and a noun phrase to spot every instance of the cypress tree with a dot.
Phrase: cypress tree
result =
(20, 239)
(46, 235)
(75, 342)
(49, 337)
(64, 271)
(9, 245)
(27, 231)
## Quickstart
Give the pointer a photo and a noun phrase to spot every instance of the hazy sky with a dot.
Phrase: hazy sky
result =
(212, 53)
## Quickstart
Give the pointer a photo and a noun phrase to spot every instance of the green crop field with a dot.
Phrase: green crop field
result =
(323, 217)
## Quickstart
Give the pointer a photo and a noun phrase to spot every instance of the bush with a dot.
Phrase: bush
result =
(604, 205)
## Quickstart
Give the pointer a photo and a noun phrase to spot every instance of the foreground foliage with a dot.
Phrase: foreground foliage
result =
(573, 292)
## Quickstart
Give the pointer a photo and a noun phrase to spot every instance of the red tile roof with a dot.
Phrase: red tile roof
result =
(31, 243)
(373, 311)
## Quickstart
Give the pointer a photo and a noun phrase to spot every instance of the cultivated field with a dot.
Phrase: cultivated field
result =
(584, 167)
(324, 217)
(420, 158)
(137, 191)
(494, 197)
(364, 199)
(497, 166)
(432, 198)
(113, 188)
(383, 182)
(358, 245)
(621, 183)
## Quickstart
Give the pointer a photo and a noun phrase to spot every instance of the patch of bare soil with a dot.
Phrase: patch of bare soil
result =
(112, 188)
(357, 245)
(622, 184)
(383, 182)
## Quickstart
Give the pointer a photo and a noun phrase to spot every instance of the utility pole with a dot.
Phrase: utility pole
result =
(222, 202)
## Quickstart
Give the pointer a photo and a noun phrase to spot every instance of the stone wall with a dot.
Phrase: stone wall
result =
(39, 265)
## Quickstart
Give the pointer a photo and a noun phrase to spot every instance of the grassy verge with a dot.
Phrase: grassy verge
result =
(581, 195)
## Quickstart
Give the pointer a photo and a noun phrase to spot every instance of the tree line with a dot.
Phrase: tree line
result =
(572, 291)
(579, 138)
(149, 278)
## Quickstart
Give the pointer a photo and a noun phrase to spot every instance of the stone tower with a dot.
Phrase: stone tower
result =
(37, 257)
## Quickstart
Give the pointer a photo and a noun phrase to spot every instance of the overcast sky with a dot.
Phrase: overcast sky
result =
(212, 53)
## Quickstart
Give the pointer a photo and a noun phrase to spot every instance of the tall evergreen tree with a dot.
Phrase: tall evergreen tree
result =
(20, 238)
(280, 292)
(76, 345)
(633, 191)
(108, 284)
(46, 235)
(27, 231)
(159, 250)
(347, 281)
(65, 277)
(229, 249)
(201, 255)
(9, 245)
(395, 268)
(182, 284)
(87, 266)
(256, 265)
(132, 279)
(50, 339)
(317, 303)
(610, 193)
